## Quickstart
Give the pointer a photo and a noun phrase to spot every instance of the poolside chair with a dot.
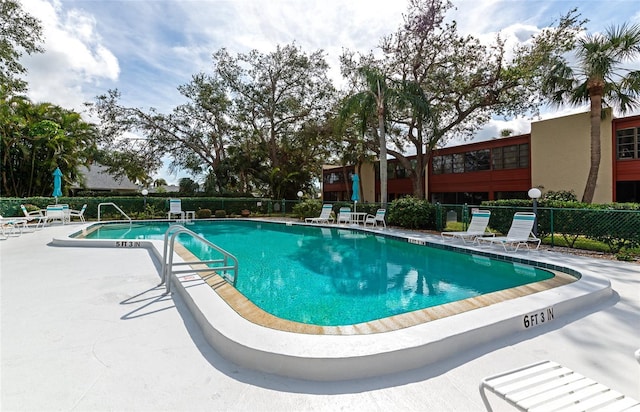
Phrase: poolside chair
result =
(325, 215)
(78, 213)
(9, 225)
(520, 233)
(373, 220)
(66, 212)
(37, 215)
(477, 227)
(549, 386)
(175, 208)
(344, 215)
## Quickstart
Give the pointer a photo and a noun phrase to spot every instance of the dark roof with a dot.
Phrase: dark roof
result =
(97, 178)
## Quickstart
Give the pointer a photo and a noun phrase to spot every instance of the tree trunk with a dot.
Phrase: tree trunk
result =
(595, 97)
(383, 161)
(383, 148)
(418, 186)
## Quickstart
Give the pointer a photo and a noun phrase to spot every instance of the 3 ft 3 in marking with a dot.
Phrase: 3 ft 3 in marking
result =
(538, 318)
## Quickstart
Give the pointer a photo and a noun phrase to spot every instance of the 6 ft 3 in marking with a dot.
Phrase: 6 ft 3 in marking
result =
(538, 318)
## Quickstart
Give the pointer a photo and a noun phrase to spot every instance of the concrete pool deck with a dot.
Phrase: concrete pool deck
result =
(87, 329)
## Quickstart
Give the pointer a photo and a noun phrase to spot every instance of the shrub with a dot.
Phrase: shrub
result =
(220, 213)
(307, 208)
(203, 213)
(561, 195)
(626, 256)
(412, 213)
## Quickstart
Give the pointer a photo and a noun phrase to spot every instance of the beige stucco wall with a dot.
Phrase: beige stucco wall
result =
(368, 181)
(560, 156)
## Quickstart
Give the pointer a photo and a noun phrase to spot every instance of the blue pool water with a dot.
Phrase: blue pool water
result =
(340, 276)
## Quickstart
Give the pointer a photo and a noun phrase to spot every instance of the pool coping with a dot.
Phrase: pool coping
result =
(328, 357)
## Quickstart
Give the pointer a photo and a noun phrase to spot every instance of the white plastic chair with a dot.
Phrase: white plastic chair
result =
(344, 215)
(520, 233)
(479, 226)
(38, 215)
(175, 208)
(373, 220)
(325, 215)
(78, 213)
(9, 225)
(549, 386)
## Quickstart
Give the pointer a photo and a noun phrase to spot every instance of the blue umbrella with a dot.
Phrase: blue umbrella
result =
(355, 191)
(57, 183)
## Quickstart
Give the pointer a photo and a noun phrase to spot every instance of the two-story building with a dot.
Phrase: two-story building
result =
(554, 156)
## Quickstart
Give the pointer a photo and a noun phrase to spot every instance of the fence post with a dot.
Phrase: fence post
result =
(551, 227)
(465, 216)
(438, 216)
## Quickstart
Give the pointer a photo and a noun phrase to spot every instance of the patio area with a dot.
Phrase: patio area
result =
(88, 329)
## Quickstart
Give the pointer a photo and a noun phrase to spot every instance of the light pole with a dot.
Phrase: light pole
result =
(145, 192)
(535, 193)
(300, 195)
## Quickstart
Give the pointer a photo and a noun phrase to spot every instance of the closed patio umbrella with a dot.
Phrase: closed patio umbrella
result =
(355, 191)
(57, 183)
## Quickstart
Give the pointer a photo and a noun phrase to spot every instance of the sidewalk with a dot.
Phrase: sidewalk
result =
(87, 329)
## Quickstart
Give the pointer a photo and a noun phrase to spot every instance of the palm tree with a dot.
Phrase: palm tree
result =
(599, 80)
(372, 103)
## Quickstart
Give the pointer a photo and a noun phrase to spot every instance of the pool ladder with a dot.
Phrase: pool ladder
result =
(114, 205)
(223, 266)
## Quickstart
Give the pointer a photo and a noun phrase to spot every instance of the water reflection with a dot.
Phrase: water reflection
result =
(331, 276)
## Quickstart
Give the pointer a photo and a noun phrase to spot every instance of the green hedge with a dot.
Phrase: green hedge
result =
(156, 207)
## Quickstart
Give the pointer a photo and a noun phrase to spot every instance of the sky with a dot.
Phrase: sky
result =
(147, 48)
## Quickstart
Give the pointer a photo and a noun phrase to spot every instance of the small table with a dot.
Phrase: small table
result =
(190, 215)
(358, 217)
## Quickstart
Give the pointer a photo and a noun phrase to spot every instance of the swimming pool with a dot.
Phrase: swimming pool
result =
(250, 337)
(338, 276)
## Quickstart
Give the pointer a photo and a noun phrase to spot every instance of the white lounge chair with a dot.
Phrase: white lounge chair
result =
(373, 220)
(175, 208)
(9, 225)
(78, 213)
(325, 215)
(344, 215)
(549, 386)
(479, 226)
(520, 233)
(37, 215)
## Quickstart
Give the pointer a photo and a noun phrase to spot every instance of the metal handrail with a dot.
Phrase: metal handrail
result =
(114, 205)
(167, 258)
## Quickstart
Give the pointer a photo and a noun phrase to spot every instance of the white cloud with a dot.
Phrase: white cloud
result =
(147, 48)
(74, 57)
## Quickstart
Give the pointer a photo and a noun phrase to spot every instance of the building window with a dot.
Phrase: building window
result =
(437, 165)
(333, 177)
(477, 160)
(628, 192)
(391, 170)
(458, 198)
(511, 157)
(628, 143)
(458, 163)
